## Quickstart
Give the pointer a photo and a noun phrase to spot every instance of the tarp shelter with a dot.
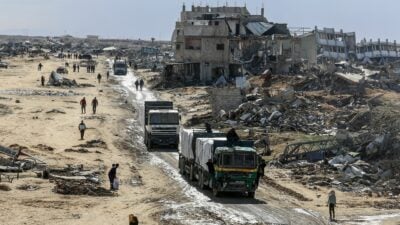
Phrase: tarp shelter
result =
(109, 49)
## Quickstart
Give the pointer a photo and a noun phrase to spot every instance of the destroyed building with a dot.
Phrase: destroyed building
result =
(327, 44)
(212, 41)
(378, 51)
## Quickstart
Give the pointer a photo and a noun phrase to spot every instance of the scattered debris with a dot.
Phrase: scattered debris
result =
(93, 144)
(4, 187)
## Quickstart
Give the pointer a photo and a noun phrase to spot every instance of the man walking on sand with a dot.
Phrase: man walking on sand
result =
(137, 84)
(112, 174)
(83, 105)
(332, 205)
(99, 77)
(95, 103)
(141, 83)
(108, 74)
(82, 128)
(42, 80)
(40, 67)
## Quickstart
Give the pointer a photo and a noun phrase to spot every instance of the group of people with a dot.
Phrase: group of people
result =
(75, 67)
(83, 104)
(90, 68)
(139, 84)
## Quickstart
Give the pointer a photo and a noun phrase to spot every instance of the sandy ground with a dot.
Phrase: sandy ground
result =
(25, 119)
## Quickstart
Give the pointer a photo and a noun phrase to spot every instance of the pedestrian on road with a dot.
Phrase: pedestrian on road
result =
(77, 67)
(265, 141)
(141, 83)
(99, 77)
(108, 74)
(83, 105)
(112, 174)
(133, 220)
(42, 79)
(137, 84)
(74, 67)
(82, 128)
(332, 205)
(40, 67)
(95, 103)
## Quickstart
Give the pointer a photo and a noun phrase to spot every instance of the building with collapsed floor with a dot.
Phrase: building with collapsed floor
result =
(214, 41)
(326, 45)
(378, 51)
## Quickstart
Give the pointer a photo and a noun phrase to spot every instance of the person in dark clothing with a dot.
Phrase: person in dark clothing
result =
(108, 74)
(331, 205)
(210, 166)
(232, 137)
(95, 103)
(99, 77)
(137, 84)
(141, 84)
(133, 220)
(260, 170)
(82, 128)
(74, 67)
(42, 79)
(208, 128)
(40, 67)
(77, 67)
(112, 174)
(83, 105)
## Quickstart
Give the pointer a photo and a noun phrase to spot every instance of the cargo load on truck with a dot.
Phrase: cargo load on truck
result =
(216, 163)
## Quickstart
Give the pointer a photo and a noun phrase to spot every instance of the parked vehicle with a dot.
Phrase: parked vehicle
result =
(120, 67)
(161, 124)
(216, 164)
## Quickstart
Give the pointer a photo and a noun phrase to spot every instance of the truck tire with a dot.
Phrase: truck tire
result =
(191, 174)
(251, 194)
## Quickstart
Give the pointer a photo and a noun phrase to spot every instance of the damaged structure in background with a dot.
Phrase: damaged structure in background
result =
(211, 42)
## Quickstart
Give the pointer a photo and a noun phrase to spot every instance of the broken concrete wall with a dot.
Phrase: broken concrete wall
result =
(224, 99)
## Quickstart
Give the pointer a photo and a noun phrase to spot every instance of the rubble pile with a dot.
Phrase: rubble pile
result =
(79, 187)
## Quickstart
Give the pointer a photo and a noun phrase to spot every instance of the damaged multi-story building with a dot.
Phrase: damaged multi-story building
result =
(378, 51)
(214, 41)
(324, 45)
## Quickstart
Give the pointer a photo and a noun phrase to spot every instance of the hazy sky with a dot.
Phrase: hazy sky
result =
(156, 18)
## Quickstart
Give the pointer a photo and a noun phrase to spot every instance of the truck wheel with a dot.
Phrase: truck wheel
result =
(191, 175)
(251, 194)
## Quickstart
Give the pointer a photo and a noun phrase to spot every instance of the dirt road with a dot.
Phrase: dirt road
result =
(201, 207)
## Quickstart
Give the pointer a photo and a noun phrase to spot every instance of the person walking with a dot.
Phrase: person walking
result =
(332, 204)
(83, 105)
(77, 67)
(99, 77)
(265, 141)
(82, 128)
(108, 74)
(137, 84)
(95, 103)
(40, 67)
(112, 174)
(141, 84)
(42, 80)
(74, 67)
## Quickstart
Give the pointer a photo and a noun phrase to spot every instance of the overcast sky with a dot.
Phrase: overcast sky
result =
(156, 18)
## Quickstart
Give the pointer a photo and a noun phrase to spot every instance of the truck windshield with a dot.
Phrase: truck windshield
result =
(120, 65)
(164, 118)
(244, 160)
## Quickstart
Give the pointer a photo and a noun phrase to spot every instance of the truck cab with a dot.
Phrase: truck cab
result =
(161, 124)
(235, 170)
(120, 67)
